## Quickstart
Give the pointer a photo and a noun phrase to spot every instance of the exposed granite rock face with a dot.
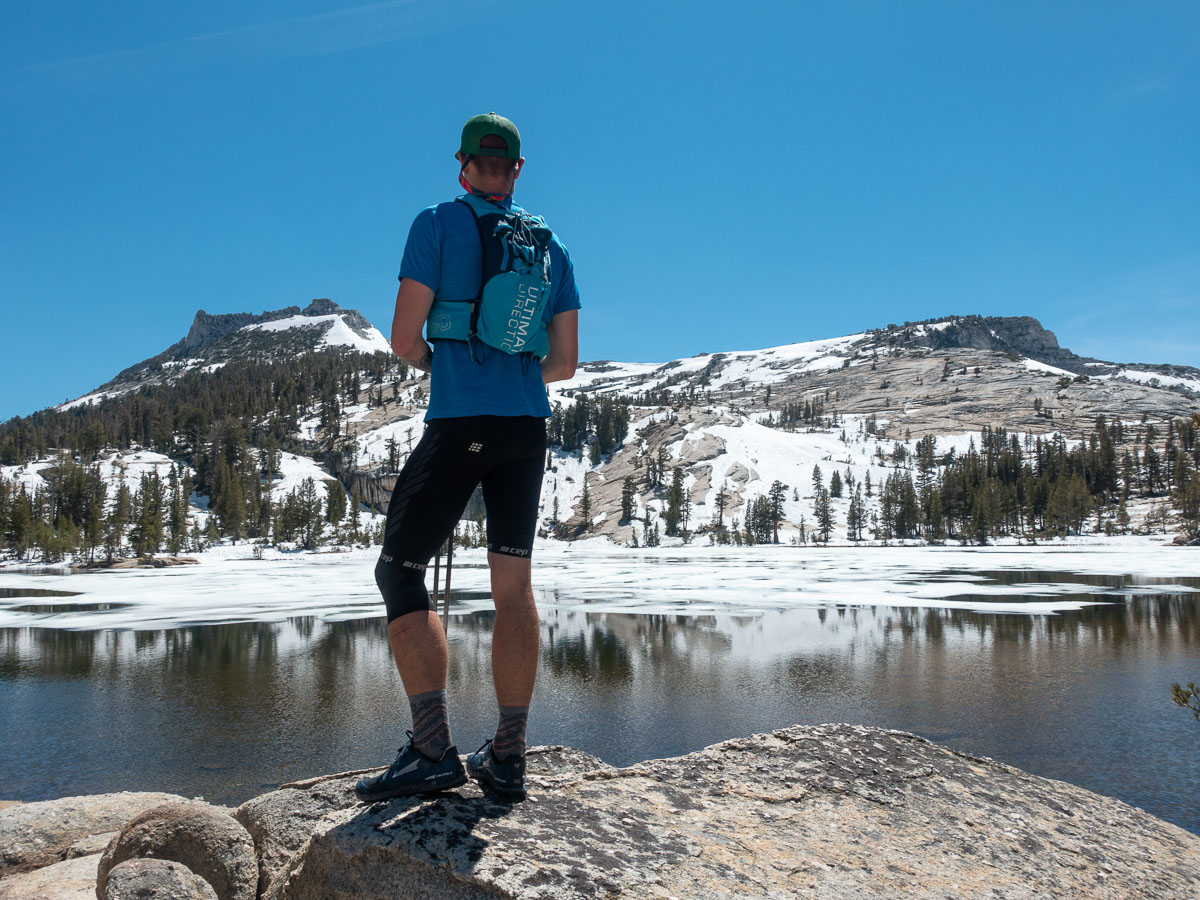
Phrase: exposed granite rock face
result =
(827, 811)
(38, 834)
(207, 329)
(204, 838)
(1023, 335)
(155, 879)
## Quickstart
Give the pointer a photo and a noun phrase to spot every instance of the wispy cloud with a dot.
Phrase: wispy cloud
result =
(1145, 87)
(331, 32)
(1167, 302)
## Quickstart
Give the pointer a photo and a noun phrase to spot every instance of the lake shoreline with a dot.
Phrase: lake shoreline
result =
(1058, 661)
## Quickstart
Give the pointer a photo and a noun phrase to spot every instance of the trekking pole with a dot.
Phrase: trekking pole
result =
(437, 565)
(446, 596)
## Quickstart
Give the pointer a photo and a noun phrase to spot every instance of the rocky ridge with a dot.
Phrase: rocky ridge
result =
(207, 329)
(216, 339)
(820, 811)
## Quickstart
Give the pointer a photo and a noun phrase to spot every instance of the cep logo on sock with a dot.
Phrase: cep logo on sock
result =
(475, 447)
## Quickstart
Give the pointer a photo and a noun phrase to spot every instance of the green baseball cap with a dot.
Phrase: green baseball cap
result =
(490, 123)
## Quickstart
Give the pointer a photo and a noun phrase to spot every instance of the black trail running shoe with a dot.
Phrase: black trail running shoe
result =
(413, 773)
(503, 776)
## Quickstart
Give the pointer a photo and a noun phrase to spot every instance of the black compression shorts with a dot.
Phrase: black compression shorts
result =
(507, 454)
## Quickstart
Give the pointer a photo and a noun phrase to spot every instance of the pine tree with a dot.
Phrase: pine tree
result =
(775, 498)
(176, 515)
(335, 503)
(118, 518)
(1189, 506)
(148, 506)
(835, 484)
(19, 535)
(93, 519)
(355, 514)
(1122, 517)
(650, 535)
(936, 519)
(823, 513)
(855, 516)
(585, 505)
(627, 495)
(674, 511)
(309, 510)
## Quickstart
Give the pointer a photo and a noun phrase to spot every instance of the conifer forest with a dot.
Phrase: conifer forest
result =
(224, 432)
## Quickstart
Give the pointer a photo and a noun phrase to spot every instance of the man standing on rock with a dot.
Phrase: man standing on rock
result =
(495, 290)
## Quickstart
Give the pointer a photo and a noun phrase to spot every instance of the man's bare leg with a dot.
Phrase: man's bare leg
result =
(430, 762)
(419, 647)
(516, 636)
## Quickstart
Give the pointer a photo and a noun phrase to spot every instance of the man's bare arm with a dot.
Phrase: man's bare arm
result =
(413, 301)
(559, 364)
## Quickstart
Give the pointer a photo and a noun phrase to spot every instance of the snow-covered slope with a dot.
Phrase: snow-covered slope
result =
(1024, 343)
(335, 332)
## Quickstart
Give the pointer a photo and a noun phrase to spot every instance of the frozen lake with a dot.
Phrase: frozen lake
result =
(227, 678)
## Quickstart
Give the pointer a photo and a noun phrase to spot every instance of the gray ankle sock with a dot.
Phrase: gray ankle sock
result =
(431, 724)
(510, 733)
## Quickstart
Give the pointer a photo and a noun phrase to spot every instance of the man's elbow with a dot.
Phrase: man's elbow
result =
(569, 369)
(402, 344)
(564, 367)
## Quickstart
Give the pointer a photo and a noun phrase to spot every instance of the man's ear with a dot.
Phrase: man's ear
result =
(520, 166)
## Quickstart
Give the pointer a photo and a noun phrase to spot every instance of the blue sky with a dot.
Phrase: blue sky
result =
(727, 176)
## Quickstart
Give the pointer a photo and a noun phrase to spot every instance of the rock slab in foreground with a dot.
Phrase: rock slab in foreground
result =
(39, 834)
(71, 879)
(832, 811)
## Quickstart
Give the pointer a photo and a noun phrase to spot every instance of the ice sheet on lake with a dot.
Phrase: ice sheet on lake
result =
(594, 577)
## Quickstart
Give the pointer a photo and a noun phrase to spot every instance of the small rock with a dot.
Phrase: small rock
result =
(204, 838)
(155, 879)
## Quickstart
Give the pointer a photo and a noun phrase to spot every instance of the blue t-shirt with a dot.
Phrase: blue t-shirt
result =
(444, 253)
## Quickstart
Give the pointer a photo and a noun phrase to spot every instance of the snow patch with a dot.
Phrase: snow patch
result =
(337, 332)
(1143, 377)
(1034, 366)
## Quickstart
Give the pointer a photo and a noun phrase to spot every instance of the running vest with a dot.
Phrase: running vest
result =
(514, 289)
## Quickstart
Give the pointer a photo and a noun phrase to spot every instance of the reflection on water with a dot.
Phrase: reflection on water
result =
(52, 608)
(13, 593)
(226, 711)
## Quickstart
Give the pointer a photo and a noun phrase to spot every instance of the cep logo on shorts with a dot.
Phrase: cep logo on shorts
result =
(511, 551)
(413, 565)
(476, 447)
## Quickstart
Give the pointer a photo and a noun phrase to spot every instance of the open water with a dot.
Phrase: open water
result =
(226, 711)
